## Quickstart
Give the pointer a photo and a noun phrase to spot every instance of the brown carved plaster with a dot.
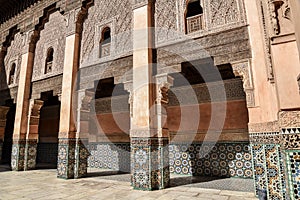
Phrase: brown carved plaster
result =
(267, 127)
(289, 119)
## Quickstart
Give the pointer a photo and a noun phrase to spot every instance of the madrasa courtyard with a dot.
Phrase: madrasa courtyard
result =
(150, 99)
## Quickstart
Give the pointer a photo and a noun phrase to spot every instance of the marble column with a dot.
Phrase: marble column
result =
(32, 134)
(3, 112)
(85, 98)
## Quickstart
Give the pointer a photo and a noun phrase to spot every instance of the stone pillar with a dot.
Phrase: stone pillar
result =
(22, 105)
(67, 127)
(149, 139)
(82, 136)
(32, 134)
(3, 112)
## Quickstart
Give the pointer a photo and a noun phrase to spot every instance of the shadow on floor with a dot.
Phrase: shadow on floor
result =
(218, 183)
(105, 173)
(187, 180)
(233, 184)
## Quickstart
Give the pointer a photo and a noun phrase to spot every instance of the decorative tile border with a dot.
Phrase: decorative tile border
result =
(291, 138)
(269, 173)
(265, 138)
(18, 155)
(221, 159)
(66, 158)
(293, 168)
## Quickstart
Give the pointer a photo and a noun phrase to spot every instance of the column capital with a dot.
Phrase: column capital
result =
(163, 84)
(164, 80)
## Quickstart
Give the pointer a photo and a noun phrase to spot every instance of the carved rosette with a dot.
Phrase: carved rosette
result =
(243, 70)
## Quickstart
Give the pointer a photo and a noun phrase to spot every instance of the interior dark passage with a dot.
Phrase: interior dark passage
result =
(47, 148)
(8, 136)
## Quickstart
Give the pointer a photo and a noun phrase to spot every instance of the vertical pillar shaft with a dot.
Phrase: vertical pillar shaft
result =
(67, 126)
(149, 142)
(22, 107)
(32, 134)
(67, 129)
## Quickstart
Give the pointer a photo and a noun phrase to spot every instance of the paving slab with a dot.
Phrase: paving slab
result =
(43, 184)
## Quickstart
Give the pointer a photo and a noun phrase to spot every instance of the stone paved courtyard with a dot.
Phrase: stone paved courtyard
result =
(43, 184)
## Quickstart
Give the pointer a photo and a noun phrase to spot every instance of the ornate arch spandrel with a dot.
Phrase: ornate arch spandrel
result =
(243, 69)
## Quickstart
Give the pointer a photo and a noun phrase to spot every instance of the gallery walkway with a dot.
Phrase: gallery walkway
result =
(43, 184)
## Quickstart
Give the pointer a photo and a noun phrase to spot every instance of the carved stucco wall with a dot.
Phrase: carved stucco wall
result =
(53, 36)
(14, 55)
(219, 15)
(117, 14)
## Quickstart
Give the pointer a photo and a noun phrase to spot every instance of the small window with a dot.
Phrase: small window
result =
(49, 61)
(12, 74)
(105, 42)
(194, 16)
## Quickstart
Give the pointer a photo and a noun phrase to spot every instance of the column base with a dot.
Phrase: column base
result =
(150, 163)
(66, 158)
(18, 155)
(30, 155)
(81, 158)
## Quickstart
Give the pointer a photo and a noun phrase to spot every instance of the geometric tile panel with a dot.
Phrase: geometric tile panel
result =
(30, 155)
(18, 155)
(109, 156)
(293, 162)
(66, 158)
(269, 173)
(221, 159)
(81, 157)
(150, 163)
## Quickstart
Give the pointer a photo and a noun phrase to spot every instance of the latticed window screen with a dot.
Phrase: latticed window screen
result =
(194, 16)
